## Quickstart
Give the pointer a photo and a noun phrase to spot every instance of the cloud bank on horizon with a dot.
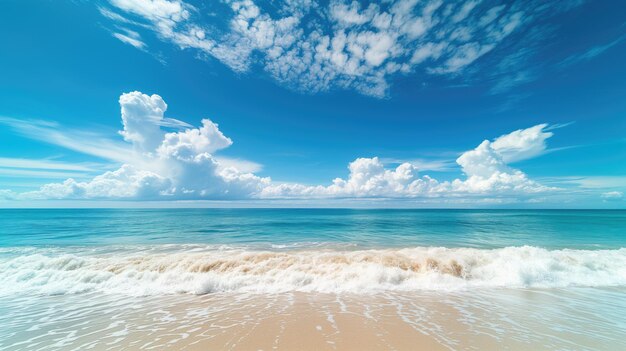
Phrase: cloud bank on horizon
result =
(315, 46)
(166, 159)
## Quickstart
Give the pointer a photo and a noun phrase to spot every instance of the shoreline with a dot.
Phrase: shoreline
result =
(516, 319)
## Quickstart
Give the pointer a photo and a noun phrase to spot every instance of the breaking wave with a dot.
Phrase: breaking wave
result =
(359, 271)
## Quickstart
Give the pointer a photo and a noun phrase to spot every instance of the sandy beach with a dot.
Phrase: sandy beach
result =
(507, 319)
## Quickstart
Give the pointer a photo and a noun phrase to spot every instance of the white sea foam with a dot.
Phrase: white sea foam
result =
(195, 271)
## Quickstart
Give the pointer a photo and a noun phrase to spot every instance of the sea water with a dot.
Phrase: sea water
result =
(54, 260)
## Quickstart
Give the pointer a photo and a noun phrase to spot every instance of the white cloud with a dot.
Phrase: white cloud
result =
(156, 10)
(36, 173)
(483, 161)
(183, 165)
(126, 182)
(591, 53)
(81, 141)
(141, 117)
(522, 144)
(185, 144)
(171, 165)
(136, 42)
(313, 46)
(439, 165)
(613, 195)
(463, 56)
(487, 174)
(591, 182)
(465, 10)
(6, 162)
(245, 166)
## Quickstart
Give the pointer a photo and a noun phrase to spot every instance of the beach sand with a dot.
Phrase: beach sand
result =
(508, 319)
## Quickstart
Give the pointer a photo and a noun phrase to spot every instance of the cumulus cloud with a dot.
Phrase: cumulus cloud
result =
(317, 46)
(485, 167)
(183, 164)
(126, 182)
(143, 117)
(170, 165)
(206, 139)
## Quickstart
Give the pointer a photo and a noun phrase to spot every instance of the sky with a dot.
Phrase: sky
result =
(302, 103)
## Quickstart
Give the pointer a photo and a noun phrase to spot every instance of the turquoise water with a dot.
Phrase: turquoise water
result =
(262, 228)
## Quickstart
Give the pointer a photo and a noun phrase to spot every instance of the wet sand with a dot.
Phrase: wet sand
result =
(494, 320)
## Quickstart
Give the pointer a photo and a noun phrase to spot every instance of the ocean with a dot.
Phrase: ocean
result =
(254, 278)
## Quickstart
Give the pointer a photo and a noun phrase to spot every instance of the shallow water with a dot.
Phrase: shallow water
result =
(514, 319)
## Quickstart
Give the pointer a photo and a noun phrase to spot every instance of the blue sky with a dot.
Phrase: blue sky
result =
(294, 92)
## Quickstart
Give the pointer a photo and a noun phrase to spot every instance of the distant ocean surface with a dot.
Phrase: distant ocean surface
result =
(267, 228)
(578, 256)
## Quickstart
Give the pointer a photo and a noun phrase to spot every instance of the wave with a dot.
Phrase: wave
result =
(332, 271)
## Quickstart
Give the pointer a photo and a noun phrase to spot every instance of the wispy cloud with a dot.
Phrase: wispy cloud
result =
(559, 126)
(515, 64)
(24, 168)
(36, 173)
(133, 41)
(314, 47)
(437, 165)
(6, 162)
(595, 182)
(86, 142)
(590, 53)
(240, 164)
